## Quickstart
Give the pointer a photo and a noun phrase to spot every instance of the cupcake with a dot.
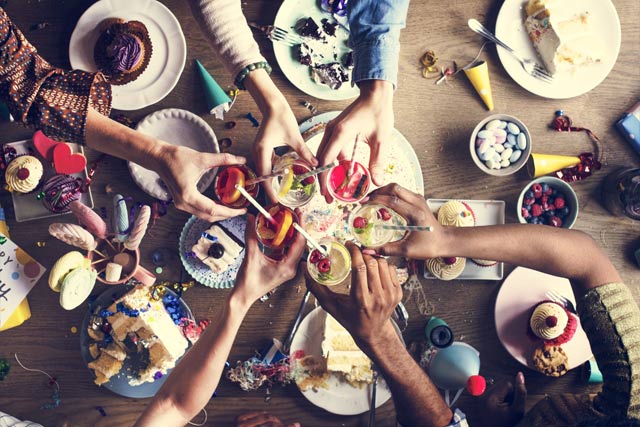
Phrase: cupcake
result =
(457, 214)
(552, 323)
(59, 191)
(23, 174)
(446, 268)
(123, 50)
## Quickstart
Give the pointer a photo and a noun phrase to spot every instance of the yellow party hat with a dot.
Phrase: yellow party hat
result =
(544, 164)
(478, 74)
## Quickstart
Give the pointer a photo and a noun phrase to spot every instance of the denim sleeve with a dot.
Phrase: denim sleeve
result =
(375, 37)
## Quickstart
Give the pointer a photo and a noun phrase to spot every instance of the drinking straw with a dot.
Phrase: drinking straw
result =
(406, 227)
(352, 162)
(317, 171)
(266, 177)
(255, 203)
(310, 239)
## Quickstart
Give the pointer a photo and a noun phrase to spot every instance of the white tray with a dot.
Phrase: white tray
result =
(487, 212)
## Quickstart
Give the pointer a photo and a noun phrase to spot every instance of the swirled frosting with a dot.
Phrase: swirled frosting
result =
(439, 268)
(125, 52)
(455, 213)
(548, 320)
(23, 174)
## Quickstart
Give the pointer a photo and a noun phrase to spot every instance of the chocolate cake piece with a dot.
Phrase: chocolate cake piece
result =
(329, 27)
(304, 54)
(332, 75)
(309, 28)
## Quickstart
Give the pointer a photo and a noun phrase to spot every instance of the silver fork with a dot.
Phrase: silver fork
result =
(277, 34)
(372, 406)
(556, 296)
(529, 65)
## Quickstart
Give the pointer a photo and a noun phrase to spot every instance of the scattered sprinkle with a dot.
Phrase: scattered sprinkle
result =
(4, 369)
(158, 270)
(74, 330)
(253, 120)
(41, 244)
(101, 410)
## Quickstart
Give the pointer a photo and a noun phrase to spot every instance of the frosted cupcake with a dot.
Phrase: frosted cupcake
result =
(23, 174)
(446, 268)
(552, 323)
(456, 214)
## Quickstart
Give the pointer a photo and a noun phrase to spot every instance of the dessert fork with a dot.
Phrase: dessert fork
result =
(372, 406)
(287, 344)
(529, 65)
(277, 34)
(556, 296)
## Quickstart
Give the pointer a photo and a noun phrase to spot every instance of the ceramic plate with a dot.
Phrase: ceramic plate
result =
(26, 206)
(287, 56)
(167, 60)
(201, 273)
(520, 292)
(119, 384)
(510, 29)
(487, 212)
(179, 127)
(339, 397)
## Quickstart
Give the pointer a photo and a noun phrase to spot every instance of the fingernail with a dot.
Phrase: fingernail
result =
(369, 252)
(520, 378)
(365, 200)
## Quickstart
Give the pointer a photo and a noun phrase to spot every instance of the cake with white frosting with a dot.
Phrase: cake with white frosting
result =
(343, 355)
(217, 248)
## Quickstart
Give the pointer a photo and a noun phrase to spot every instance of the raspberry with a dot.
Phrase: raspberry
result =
(536, 210)
(555, 221)
(529, 201)
(450, 260)
(324, 265)
(309, 181)
(559, 203)
(545, 206)
(544, 198)
(551, 321)
(298, 170)
(384, 214)
(537, 190)
(525, 213)
(360, 222)
(315, 256)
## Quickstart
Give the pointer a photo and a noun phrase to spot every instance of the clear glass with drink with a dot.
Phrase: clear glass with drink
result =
(291, 190)
(367, 225)
(332, 269)
(349, 181)
(225, 185)
(280, 233)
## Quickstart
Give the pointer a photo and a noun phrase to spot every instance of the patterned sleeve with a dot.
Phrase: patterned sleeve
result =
(45, 97)
(459, 420)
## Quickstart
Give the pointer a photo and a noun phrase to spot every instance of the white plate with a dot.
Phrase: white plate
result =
(167, 60)
(487, 212)
(287, 57)
(510, 29)
(178, 127)
(26, 206)
(520, 292)
(340, 397)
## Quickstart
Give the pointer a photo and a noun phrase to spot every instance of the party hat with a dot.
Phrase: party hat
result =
(5, 115)
(218, 102)
(544, 164)
(478, 74)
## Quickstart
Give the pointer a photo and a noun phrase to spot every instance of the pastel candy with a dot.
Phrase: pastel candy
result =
(77, 287)
(493, 124)
(66, 263)
(511, 139)
(89, 219)
(487, 154)
(515, 156)
(507, 145)
(505, 163)
(522, 141)
(484, 147)
(479, 141)
(113, 272)
(513, 128)
(500, 135)
(491, 164)
(506, 154)
(485, 134)
(503, 124)
(498, 148)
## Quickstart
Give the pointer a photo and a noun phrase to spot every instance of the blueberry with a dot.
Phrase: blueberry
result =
(528, 207)
(554, 193)
(551, 200)
(562, 213)
(545, 188)
(551, 212)
(216, 251)
(529, 194)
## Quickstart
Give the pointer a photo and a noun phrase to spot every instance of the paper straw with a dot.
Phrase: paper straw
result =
(266, 177)
(310, 239)
(255, 203)
(352, 162)
(317, 171)
(406, 227)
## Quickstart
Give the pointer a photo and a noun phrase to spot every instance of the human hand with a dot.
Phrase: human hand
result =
(259, 274)
(261, 419)
(371, 116)
(180, 168)
(412, 207)
(365, 312)
(504, 404)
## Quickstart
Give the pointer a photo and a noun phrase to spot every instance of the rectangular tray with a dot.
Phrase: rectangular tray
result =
(26, 206)
(487, 212)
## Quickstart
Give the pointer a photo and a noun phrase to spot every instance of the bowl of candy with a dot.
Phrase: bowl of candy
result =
(500, 145)
(549, 201)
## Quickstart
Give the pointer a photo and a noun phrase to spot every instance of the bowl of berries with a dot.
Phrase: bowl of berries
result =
(549, 201)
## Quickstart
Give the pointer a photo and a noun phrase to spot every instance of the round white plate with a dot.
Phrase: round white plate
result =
(340, 397)
(520, 292)
(167, 60)
(510, 29)
(287, 56)
(178, 127)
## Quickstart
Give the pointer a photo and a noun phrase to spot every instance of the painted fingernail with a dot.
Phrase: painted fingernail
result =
(520, 377)
(365, 200)
(369, 252)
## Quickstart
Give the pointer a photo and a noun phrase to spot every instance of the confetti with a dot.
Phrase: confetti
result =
(253, 373)
(158, 270)
(101, 410)
(4, 369)
(309, 106)
(157, 375)
(41, 244)
(74, 330)
(253, 120)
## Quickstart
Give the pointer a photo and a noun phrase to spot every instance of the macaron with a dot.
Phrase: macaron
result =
(68, 262)
(76, 287)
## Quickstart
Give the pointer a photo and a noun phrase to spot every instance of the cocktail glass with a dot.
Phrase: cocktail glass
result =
(366, 224)
(332, 269)
(225, 185)
(290, 190)
(280, 234)
(349, 181)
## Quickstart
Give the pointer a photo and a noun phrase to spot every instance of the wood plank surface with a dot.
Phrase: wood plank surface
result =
(437, 120)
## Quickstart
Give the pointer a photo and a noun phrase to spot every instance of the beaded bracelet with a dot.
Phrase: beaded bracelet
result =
(239, 81)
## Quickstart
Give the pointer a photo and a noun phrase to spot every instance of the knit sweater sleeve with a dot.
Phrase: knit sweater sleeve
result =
(226, 28)
(611, 319)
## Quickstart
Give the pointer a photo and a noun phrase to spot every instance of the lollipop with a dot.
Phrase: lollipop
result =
(89, 219)
(73, 235)
(139, 229)
(120, 220)
(59, 191)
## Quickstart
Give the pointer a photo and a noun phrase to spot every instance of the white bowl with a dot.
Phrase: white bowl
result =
(571, 199)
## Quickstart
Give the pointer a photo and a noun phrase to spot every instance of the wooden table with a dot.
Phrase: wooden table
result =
(437, 120)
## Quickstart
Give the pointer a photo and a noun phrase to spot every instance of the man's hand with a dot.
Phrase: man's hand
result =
(504, 404)
(261, 419)
(365, 312)
(260, 274)
(371, 116)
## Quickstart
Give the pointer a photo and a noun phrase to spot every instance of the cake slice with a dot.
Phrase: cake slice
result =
(343, 355)
(562, 35)
(217, 248)
(332, 75)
